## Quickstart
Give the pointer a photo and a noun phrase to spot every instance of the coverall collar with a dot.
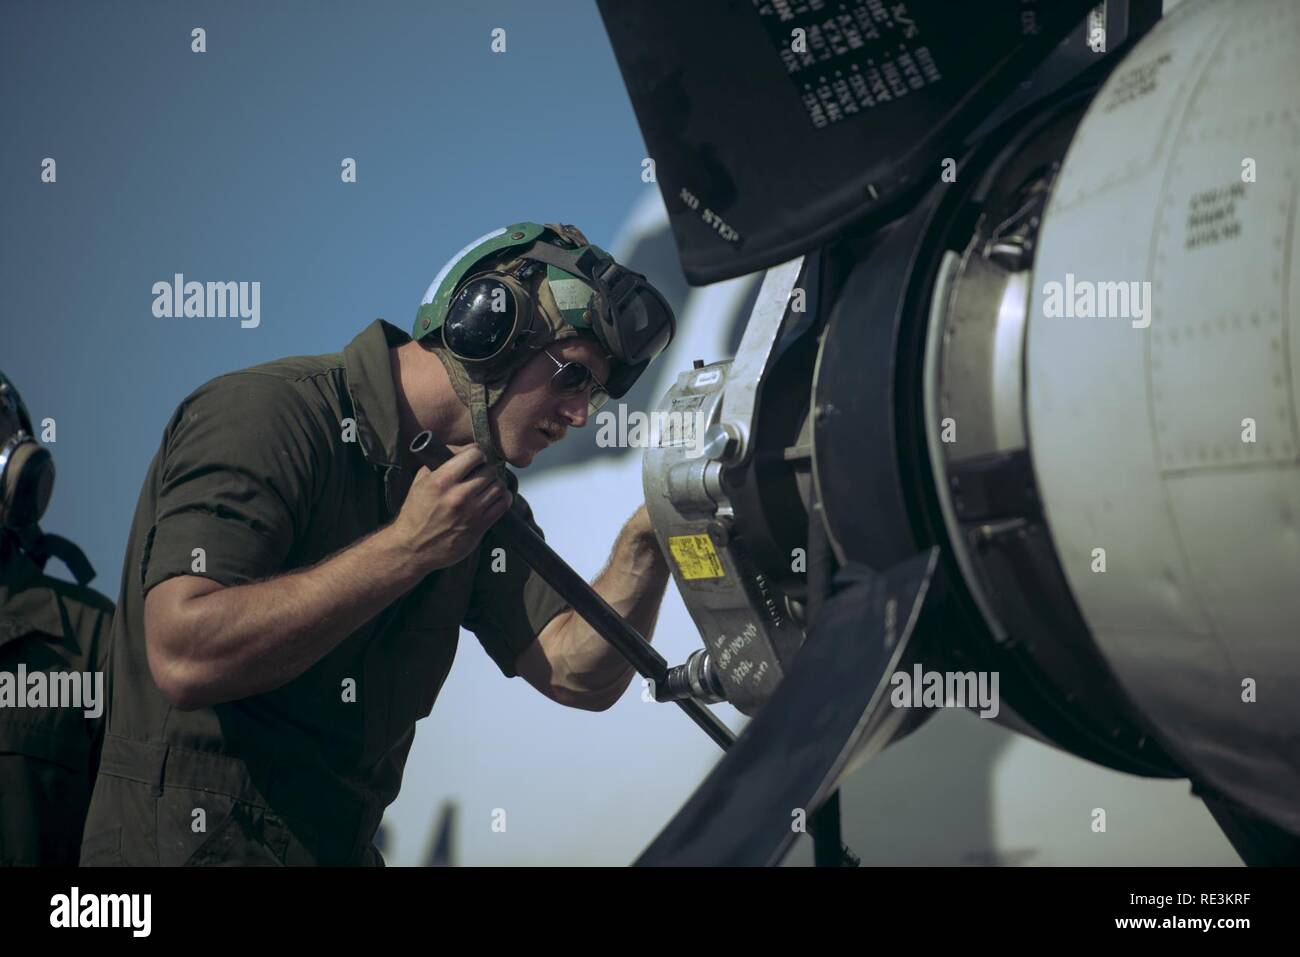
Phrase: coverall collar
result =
(374, 396)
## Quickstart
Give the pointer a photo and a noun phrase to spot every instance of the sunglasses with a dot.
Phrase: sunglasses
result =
(573, 377)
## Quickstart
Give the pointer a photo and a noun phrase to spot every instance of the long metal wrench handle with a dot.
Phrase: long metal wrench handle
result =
(587, 603)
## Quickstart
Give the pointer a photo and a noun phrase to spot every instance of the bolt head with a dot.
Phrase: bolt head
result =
(720, 442)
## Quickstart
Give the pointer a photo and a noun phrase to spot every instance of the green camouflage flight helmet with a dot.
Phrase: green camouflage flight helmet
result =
(517, 289)
(26, 467)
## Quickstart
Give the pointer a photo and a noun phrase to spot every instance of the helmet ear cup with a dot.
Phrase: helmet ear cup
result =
(26, 484)
(488, 317)
(481, 319)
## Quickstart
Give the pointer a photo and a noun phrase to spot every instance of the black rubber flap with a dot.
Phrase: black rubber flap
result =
(763, 153)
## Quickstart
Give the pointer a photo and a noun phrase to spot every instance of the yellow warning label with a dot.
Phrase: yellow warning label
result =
(695, 556)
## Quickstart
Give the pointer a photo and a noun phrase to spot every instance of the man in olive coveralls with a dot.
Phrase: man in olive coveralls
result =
(48, 748)
(296, 576)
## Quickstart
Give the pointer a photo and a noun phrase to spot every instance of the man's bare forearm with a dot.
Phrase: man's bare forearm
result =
(247, 639)
(633, 584)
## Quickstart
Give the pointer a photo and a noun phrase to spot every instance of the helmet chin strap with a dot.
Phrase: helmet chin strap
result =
(478, 417)
(474, 396)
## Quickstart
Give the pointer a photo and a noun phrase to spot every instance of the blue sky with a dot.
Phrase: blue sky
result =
(225, 166)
